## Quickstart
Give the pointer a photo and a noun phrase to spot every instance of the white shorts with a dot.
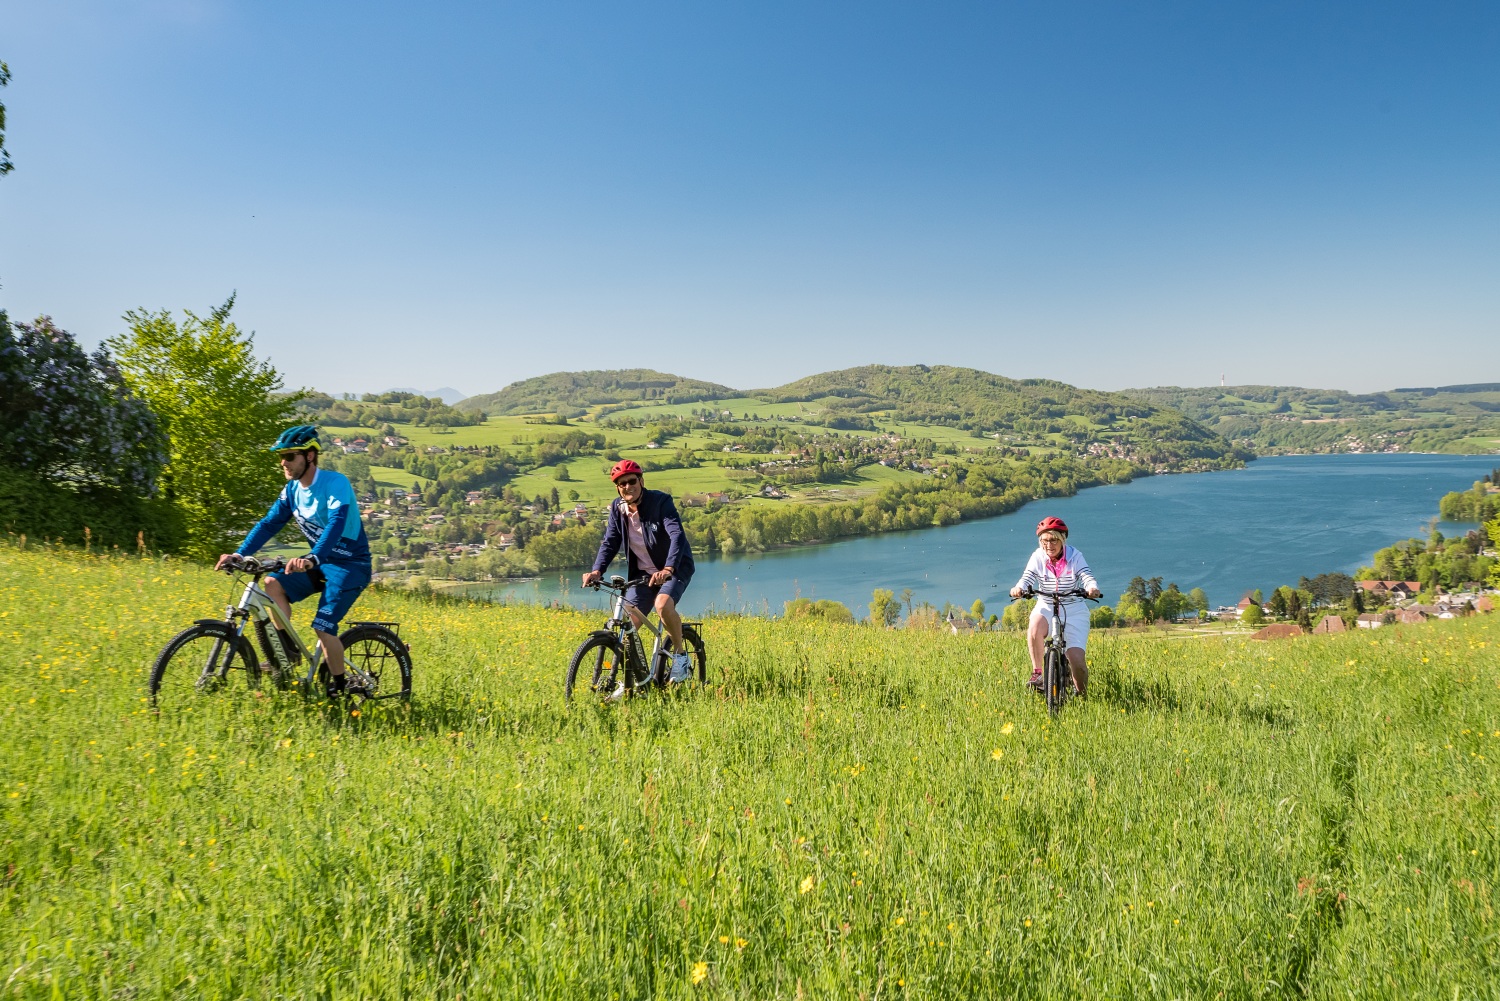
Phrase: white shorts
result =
(1075, 619)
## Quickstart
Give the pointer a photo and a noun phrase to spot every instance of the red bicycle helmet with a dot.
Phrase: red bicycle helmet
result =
(1051, 524)
(624, 468)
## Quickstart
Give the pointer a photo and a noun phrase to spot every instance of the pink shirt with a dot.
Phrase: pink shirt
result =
(635, 536)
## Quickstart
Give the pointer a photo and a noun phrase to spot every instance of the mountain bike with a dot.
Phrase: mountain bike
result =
(199, 658)
(1057, 674)
(614, 656)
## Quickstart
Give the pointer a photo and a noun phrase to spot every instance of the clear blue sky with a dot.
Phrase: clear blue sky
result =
(466, 194)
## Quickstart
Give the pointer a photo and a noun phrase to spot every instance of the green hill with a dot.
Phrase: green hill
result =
(973, 400)
(572, 393)
(1035, 411)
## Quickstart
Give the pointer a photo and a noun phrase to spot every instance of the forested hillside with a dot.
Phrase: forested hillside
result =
(571, 393)
(1279, 419)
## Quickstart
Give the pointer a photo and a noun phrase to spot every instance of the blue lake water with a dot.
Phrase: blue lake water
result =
(1226, 532)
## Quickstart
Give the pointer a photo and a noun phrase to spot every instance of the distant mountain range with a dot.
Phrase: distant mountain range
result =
(1267, 419)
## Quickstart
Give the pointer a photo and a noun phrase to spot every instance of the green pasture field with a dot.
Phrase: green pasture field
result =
(847, 812)
(388, 476)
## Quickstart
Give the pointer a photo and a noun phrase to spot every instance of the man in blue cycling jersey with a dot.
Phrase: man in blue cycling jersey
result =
(338, 566)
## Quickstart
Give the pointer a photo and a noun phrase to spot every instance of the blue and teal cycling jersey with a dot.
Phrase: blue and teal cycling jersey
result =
(328, 515)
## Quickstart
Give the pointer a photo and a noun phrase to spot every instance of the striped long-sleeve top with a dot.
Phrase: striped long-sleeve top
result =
(1066, 573)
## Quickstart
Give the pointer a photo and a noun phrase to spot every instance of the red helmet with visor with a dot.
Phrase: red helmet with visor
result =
(1051, 524)
(624, 467)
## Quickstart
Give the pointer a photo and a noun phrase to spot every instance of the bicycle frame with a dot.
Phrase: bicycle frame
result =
(621, 621)
(258, 606)
(1055, 643)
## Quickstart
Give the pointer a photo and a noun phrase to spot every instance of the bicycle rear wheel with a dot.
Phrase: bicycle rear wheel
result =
(376, 651)
(1055, 680)
(696, 653)
(198, 660)
(596, 666)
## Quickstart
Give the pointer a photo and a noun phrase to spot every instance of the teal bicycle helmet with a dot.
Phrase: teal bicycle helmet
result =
(301, 436)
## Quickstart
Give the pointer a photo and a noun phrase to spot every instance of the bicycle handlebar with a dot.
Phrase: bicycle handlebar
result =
(1077, 592)
(618, 583)
(253, 566)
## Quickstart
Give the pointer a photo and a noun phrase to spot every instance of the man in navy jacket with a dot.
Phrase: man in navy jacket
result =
(645, 523)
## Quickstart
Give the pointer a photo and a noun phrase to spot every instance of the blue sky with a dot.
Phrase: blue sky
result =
(466, 194)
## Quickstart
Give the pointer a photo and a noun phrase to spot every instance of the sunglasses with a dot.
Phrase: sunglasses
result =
(288, 456)
(626, 481)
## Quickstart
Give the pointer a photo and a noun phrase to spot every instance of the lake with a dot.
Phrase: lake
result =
(1227, 532)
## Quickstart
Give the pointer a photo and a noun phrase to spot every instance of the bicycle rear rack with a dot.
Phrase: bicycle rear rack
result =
(394, 627)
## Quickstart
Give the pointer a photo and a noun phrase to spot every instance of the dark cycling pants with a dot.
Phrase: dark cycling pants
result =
(643, 596)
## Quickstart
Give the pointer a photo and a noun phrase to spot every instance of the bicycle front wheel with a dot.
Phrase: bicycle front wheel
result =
(199, 660)
(1055, 680)
(596, 666)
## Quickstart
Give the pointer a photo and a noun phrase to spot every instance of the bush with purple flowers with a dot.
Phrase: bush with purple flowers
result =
(68, 416)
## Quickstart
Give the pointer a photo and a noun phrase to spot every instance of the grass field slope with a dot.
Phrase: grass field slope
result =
(848, 812)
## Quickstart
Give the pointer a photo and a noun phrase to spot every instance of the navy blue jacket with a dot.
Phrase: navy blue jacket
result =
(665, 540)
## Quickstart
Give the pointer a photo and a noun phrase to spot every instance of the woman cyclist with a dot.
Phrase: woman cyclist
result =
(1057, 567)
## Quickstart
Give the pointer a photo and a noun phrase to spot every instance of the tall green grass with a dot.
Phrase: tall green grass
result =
(849, 813)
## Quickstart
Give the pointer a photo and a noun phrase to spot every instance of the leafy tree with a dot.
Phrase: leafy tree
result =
(1293, 603)
(1198, 599)
(1253, 616)
(1304, 619)
(976, 610)
(825, 609)
(1135, 603)
(1017, 614)
(5, 165)
(1170, 603)
(1130, 609)
(1327, 588)
(1357, 600)
(1493, 528)
(1102, 617)
(215, 402)
(1279, 603)
(69, 417)
(884, 608)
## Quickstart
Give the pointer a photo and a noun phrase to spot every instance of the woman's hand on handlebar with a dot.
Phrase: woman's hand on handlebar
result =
(1017, 592)
(1095, 593)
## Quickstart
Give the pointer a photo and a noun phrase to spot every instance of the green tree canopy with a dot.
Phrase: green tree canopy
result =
(216, 403)
(5, 165)
(884, 608)
(825, 609)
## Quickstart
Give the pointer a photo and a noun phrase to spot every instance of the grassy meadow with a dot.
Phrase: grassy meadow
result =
(848, 812)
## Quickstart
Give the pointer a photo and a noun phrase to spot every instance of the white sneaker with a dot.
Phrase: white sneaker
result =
(682, 668)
